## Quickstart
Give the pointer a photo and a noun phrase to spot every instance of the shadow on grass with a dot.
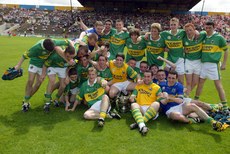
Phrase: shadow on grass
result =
(36, 117)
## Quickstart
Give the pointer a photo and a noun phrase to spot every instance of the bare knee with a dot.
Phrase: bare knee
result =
(134, 106)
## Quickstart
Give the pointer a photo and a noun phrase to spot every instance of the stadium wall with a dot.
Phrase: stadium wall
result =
(9, 5)
(41, 7)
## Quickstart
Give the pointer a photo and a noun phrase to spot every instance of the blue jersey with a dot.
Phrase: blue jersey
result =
(175, 90)
(92, 30)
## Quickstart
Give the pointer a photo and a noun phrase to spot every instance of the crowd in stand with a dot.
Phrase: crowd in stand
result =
(63, 21)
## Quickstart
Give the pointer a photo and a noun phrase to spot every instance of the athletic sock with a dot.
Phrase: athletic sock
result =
(225, 106)
(210, 120)
(48, 98)
(138, 117)
(102, 114)
(26, 99)
(149, 114)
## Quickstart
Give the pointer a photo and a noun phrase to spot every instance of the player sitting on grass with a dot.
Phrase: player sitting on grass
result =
(177, 108)
(145, 102)
(93, 92)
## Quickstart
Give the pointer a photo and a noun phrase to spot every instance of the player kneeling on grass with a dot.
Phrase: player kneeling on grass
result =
(178, 108)
(71, 90)
(56, 65)
(145, 103)
(93, 92)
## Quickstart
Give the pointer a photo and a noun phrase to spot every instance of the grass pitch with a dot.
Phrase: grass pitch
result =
(67, 132)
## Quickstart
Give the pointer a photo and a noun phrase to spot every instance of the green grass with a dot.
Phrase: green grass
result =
(68, 132)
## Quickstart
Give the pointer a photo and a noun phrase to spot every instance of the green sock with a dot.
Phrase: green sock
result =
(47, 98)
(149, 114)
(210, 120)
(26, 99)
(137, 116)
(196, 97)
(225, 105)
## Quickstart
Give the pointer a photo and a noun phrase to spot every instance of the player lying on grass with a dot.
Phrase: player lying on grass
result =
(177, 108)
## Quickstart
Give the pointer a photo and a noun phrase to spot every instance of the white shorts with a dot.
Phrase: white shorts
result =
(122, 86)
(177, 109)
(210, 71)
(179, 66)
(144, 109)
(61, 72)
(192, 66)
(74, 91)
(97, 106)
(35, 69)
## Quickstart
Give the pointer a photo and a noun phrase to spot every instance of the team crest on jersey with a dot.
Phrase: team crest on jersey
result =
(169, 37)
(186, 43)
(130, 45)
(178, 37)
(150, 89)
(212, 41)
(149, 43)
(43, 52)
(158, 44)
(123, 72)
(173, 90)
(31, 67)
(163, 88)
(139, 47)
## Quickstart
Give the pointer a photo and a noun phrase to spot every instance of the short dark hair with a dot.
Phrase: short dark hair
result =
(70, 49)
(149, 71)
(210, 23)
(154, 65)
(119, 54)
(72, 71)
(48, 44)
(109, 20)
(173, 73)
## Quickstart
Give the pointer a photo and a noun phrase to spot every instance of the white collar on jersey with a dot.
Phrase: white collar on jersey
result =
(93, 82)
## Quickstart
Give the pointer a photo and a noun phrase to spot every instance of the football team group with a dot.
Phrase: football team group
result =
(106, 62)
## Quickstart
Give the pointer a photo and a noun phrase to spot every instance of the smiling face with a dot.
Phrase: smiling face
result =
(119, 26)
(172, 79)
(190, 30)
(147, 77)
(119, 61)
(174, 25)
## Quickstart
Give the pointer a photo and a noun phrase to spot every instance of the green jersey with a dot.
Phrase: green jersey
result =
(91, 93)
(174, 44)
(106, 74)
(193, 47)
(135, 50)
(213, 47)
(82, 72)
(55, 60)
(154, 49)
(71, 85)
(117, 43)
(106, 37)
(38, 54)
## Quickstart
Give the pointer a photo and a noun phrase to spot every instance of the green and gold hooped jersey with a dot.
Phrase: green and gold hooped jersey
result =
(91, 93)
(193, 47)
(70, 86)
(135, 50)
(55, 60)
(146, 94)
(38, 54)
(117, 43)
(123, 73)
(106, 37)
(106, 74)
(155, 49)
(174, 44)
(82, 73)
(213, 47)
